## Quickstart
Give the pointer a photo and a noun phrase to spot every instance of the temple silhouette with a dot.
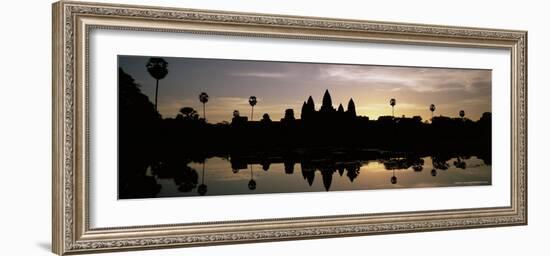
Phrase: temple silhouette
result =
(326, 113)
(325, 140)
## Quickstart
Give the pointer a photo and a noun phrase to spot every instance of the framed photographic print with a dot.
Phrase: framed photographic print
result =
(178, 127)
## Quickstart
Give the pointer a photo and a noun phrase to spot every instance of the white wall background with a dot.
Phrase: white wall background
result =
(25, 117)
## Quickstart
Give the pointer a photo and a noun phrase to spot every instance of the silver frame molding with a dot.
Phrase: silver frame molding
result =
(72, 23)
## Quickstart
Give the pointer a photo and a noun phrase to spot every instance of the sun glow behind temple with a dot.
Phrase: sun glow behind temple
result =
(229, 127)
(283, 85)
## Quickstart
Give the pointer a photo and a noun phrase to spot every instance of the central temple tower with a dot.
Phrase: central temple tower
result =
(327, 103)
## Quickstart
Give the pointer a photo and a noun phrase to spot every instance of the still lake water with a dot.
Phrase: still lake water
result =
(219, 178)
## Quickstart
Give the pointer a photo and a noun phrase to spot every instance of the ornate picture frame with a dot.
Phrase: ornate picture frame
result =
(72, 24)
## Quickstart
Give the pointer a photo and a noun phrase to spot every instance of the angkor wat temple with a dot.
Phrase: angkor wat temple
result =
(322, 137)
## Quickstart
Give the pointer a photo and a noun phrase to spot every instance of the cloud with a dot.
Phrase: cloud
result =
(412, 78)
(260, 74)
(283, 85)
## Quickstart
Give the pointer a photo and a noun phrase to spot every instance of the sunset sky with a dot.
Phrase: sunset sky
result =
(282, 85)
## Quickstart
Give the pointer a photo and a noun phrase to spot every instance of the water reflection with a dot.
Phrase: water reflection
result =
(239, 175)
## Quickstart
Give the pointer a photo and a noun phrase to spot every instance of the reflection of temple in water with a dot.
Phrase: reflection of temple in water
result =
(309, 168)
(327, 168)
(188, 178)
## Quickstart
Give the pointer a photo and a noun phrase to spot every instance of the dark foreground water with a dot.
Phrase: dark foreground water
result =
(218, 176)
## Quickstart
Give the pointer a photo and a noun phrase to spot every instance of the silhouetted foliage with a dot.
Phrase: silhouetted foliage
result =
(157, 68)
(327, 141)
(266, 119)
(138, 122)
(188, 114)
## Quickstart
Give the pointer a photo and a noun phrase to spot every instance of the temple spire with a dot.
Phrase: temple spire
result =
(310, 103)
(327, 100)
(340, 108)
(308, 108)
(351, 108)
(327, 103)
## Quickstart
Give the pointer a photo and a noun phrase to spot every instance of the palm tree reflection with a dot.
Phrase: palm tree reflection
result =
(202, 187)
(410, 162)
(187, 179)
(252, 182)
(393, 178)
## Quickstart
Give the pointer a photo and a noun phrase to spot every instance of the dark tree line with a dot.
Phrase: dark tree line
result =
(327, 130)
(329, 140)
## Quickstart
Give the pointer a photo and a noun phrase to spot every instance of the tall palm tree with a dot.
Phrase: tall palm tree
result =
(158, 69)
(252, 101)
(392, 103)
(203, 97)
(432, 109)
(462, 114)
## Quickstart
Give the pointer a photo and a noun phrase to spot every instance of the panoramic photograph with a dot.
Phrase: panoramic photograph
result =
(212, 127)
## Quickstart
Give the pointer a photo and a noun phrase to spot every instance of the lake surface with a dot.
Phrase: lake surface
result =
(218, 176)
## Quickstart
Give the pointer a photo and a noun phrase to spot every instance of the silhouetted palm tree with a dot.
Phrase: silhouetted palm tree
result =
(203, 97)
(252, 101)
(432, 109)
(158, 69)
(462, 114)
(392, 103)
